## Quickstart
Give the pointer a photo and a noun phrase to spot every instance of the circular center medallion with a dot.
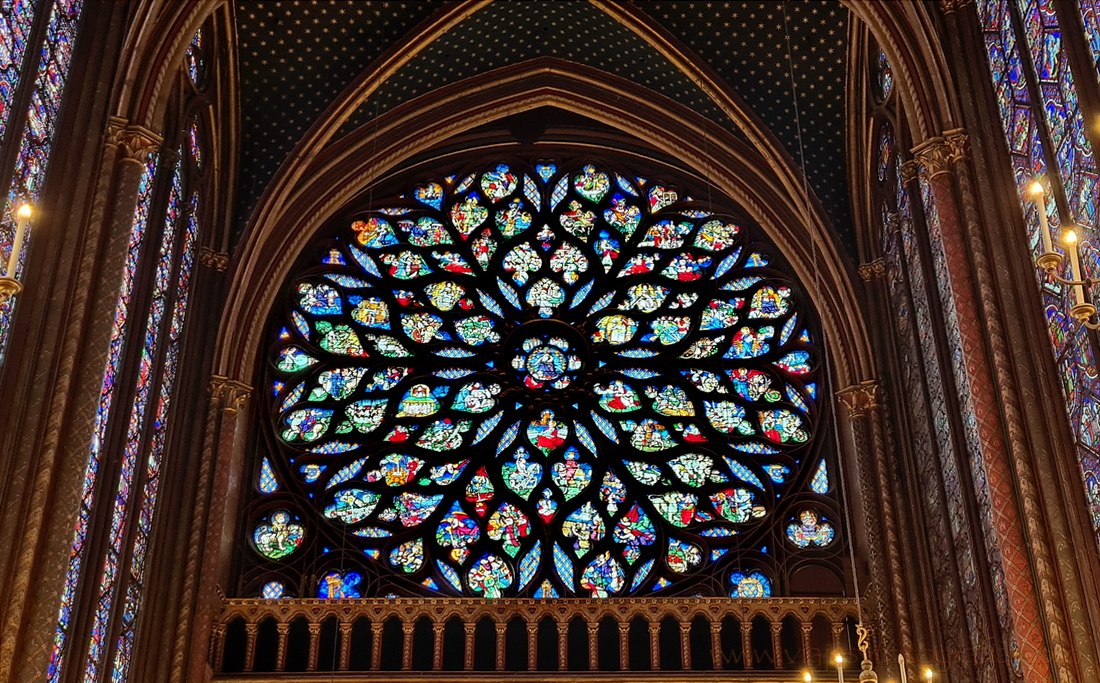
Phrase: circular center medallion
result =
(545, 357)
(546, 363)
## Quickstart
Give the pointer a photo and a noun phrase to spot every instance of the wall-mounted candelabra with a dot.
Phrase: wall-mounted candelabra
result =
(9, 283)
(1051, 262)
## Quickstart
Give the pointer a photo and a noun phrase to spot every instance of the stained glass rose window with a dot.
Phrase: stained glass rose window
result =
(548, 381)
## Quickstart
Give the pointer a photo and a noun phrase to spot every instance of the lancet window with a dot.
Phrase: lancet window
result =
(1030, 44)
(124, 467)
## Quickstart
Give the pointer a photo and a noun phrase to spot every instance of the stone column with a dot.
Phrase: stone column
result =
(213, 526)
(994, 447)
(883, 598)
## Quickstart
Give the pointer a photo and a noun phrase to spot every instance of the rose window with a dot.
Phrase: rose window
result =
(554, 381)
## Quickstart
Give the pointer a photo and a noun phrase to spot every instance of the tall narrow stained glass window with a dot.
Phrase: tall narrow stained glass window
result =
(1046, 139)
(545, 381)
(36, 44)
(164, 235)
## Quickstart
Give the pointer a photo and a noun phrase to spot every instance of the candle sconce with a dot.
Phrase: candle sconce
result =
(1051, 261)
(9, 285)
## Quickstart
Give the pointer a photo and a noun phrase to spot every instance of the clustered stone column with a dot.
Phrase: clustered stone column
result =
(1032, 612)
(213, 527)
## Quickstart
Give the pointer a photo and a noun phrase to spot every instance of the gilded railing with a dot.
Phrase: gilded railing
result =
(513, 634)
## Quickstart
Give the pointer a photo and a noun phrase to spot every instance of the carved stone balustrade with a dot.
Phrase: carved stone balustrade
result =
(556, 638)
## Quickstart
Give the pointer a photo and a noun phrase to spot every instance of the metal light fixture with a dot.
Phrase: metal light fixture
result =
(1051, 261)
(9, 284)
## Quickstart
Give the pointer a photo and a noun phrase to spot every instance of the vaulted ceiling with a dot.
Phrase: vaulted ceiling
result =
(295, 58)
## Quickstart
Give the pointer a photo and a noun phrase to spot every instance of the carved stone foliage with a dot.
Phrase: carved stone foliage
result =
(134, 142)
(231, 394)
(858, 400)
(214, 260)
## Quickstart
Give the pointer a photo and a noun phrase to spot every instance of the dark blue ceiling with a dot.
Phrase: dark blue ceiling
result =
(296, 57)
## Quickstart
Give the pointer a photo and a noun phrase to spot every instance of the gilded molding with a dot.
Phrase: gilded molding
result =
(951, 6)
(134, 142)
(909, 171)
(859, 399)
(230, 393)
(215, 260)
(933, 157)
(958, 145)
(874, 269)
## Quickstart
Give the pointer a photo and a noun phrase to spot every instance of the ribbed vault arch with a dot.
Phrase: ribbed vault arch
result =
(333, 177)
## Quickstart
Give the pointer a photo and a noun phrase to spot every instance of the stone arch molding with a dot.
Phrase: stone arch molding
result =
(905, 31)
(331, 178)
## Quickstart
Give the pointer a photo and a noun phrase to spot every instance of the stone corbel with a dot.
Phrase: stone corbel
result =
(860, 398)
(934, 157)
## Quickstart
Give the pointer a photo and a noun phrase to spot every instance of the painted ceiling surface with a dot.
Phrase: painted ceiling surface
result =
(294, 58)
(297, 56)
(746, 44)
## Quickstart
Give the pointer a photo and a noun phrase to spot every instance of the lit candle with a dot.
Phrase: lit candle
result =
(1069, 237)
(839, 660)
(23, 215)
(928, 673)
(807, 677)
(1036, 190)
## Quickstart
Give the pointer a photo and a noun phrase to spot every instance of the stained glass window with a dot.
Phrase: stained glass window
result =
(195, 58)
(120, 584)
(884, 76)
(1036, 132)
(107, 395)
(35, 129)
(552, 381)
(16, 20)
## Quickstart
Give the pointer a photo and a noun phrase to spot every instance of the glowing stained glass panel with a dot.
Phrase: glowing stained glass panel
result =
(1077, 169)
(124, 500)
(1062, 110)
(36, 139)
(156, 444)
(103, 410)
(15, 27)
(626, 467)
(195, 59)
(885, 76)
(754, 584)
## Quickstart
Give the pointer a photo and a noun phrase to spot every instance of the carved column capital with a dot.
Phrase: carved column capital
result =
(933, 156)
(958, 145)
(873, 270)
(215, 260)
(229, 392)
(134, 142)
(860, 398)
(909, 171)
(949, 6)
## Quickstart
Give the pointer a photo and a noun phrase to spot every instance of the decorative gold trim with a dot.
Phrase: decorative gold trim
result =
(133, 141)
(858, 400)
(909, 171)
(933, 156)
(229, 392)
(874, 269)
(215, 260)
(950, 6)
(9, 287)
(958, 145)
